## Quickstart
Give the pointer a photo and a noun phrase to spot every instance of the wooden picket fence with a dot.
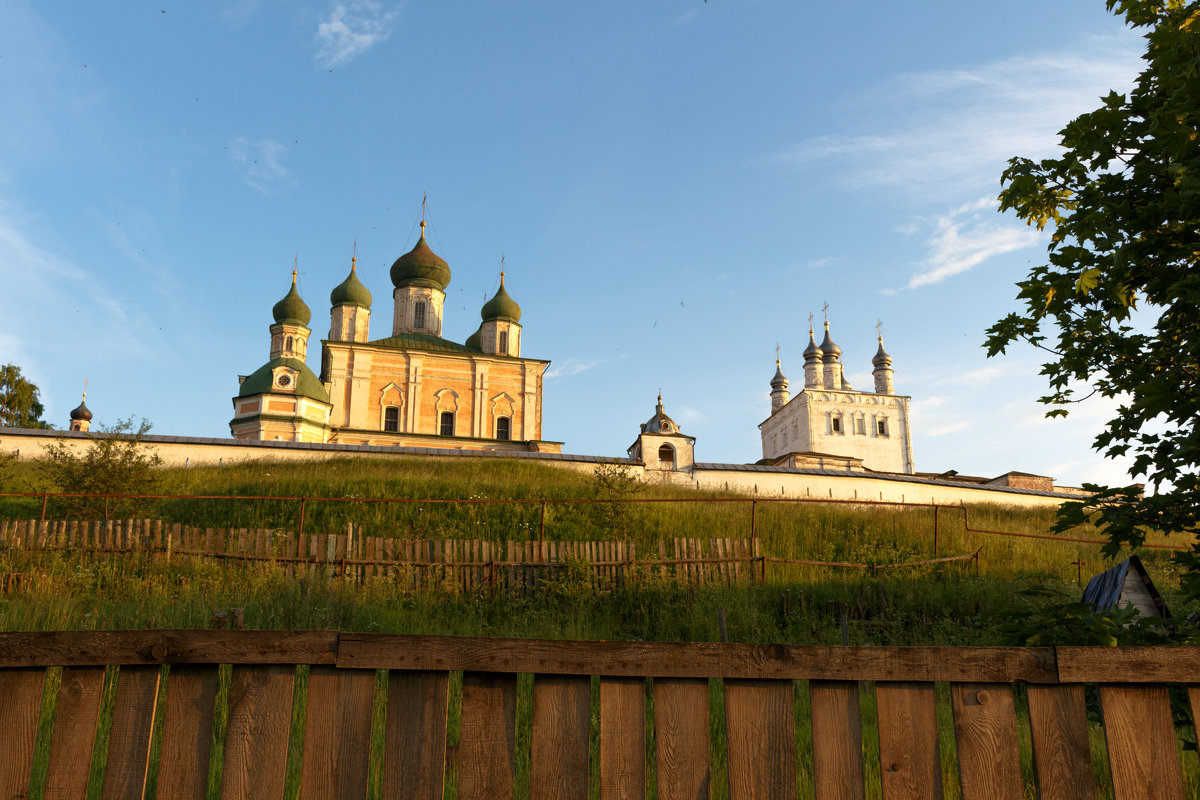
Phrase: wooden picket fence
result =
(56, 683)
(417, 564)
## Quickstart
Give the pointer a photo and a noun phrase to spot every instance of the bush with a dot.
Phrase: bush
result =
(115, 461)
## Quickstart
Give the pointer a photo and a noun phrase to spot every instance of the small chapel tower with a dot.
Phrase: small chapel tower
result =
(779, 388)
(814, 376)
(661, 446)
(350, 309)
(884, 382)
(420, 277)
(289, 334)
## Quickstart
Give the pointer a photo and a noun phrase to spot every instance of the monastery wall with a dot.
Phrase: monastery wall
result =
(747, 479)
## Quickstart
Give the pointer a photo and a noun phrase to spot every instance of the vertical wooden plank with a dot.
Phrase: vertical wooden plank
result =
(681, 738)
(1141, 742)
(837, 740)
(21, 690)
(129, 737)
(561, 718)
(187, 732)
(985, 731)
(760, 732)
(415, 736)
(910, 764)
(256, 736)
(1061, 753)
(74, 733)
(487, 736)
(622, 738)
(337, 733)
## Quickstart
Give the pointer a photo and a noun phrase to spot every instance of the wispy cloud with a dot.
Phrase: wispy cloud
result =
(946, 428)
(572, 366)
(964, 238)
(236, 13)
(259, 161)
(687, 16)
(352, 29)
(951, 131)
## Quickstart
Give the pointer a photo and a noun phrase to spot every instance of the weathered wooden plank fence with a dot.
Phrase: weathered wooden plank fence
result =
(661, 686)
(451, 564)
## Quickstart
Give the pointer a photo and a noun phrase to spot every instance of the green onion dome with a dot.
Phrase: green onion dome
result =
(350, 292)
(291, 308)
(475, 341)
(501, 307)
(421, 267)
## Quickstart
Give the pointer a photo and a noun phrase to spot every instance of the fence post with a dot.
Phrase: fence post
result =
(542, 526)
(45, 497)
(300, 524)
(935, 531)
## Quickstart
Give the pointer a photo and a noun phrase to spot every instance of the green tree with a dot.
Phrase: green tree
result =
(115, 461)
(20, 406)
(1117, 305)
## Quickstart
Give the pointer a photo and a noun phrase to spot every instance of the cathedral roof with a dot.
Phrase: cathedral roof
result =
(351, 291)
(81, 412)
(501, 307)
(262, 380)
(881, 359)
(830, 352)
(421, 267)
(812, 352)
(421, 341)
(292, 309)
(779, 381)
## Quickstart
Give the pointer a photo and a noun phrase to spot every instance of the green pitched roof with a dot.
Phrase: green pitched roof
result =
(501, 307)
(262, 380)
(421, 267)
(421, 341)
(291, 308)
(350, 292)
(475, 341)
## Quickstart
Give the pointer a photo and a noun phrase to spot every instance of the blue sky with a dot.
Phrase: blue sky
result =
(674, 185)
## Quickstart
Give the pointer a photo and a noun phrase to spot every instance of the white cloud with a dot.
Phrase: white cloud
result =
(951, 131)
(352, 29)
(949, 427)
(259, 161)
(572, 366)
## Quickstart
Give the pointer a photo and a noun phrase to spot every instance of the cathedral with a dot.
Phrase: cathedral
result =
(830, 425)
(412, 388)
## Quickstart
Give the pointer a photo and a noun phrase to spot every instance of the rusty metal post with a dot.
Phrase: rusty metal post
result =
(300, 524)
(45, 497)
(542, 525)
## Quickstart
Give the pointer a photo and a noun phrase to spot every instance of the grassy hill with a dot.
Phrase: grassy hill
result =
(956, 603)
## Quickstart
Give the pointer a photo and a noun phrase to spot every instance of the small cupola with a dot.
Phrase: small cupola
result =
(350, 308)
(351, 291)
(884, 377)
(81, 416)
(292, 309)
(814, 374)
(831, 357)
(661, 447)
(500, 332)
(830, 352)
(779, 389)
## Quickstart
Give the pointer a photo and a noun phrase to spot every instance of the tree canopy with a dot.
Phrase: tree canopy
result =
(20, 405)
(1116, 306)
(115, 460)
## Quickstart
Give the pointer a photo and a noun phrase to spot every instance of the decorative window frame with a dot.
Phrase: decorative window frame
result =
(391, 396)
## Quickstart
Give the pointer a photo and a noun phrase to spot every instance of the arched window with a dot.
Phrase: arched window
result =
(503, 428)
(391, 418)
(666, 455)
(502, 347)
(289, 344)
(419, 314)
(446, 423)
